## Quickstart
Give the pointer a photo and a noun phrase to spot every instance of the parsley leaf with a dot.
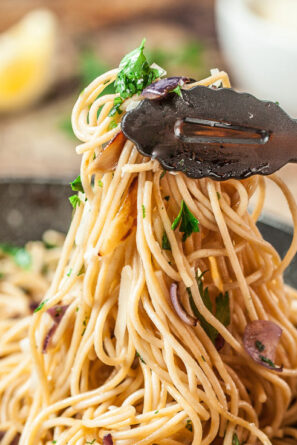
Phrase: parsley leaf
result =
(93, 441)
(134, 75)
(222, 308)
(76, 185)
(235, 440)
(143, 211)
(259, 345)
(20, 255)
(74, 201)
(165, 242)
(189, 425)
(177, 90)
(82, 270)
(140, 358)
(41, 305)
(208, 328)
(100, 183)
(188, 222)
(267, 360)
(112, 125)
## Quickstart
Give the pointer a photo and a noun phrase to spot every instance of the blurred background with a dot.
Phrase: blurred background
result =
(51, 49)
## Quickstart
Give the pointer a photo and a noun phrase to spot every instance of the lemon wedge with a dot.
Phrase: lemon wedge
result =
(26, 56)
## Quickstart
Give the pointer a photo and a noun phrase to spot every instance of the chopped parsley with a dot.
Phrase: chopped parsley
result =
(54, 441)
(165, 242)
(41, 305)
(235, 440)
(91, 443)
(259, 345)
(163, 174)
(156, 412)
(140, 358)
(134, 75)
(74, 201)
(188, 222)
(112, 125)
(77, 309)
(69, 273)
(189, 425)
(116, 106)
(76, 185)
(177, 90)
(267, 360)
(1, 275)
(203, 358)
(222, 308)
(82, 270)
(20, 255)
(218, 195)
(100, 183)
(143, 211)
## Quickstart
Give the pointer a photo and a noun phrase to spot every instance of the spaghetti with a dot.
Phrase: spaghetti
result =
(122, 366)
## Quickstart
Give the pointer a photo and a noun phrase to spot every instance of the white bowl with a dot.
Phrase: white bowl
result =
(261, 54)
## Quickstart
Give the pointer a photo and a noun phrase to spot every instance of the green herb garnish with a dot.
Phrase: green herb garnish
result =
(177, 90)
(156, 412)
(91, 443)
(100, 183)
(116, 106)
(41, 305)
(74, 201)
(134, 75)
(188, 222)
(69, 273)
(218, 195)
(1, 275)
(82, 270)
(76, 185)
(20, 255)
(222, 308)
(165, 242)
(189, 425)
(140, 358)
(259, 345)
(267, 360)
(163, 174)
(143, 211)
(112, 125)
(235, 440)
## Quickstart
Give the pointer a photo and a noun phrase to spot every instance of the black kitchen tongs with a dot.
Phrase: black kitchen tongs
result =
(217, 133)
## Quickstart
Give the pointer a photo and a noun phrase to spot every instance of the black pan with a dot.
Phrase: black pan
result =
(29, 208)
